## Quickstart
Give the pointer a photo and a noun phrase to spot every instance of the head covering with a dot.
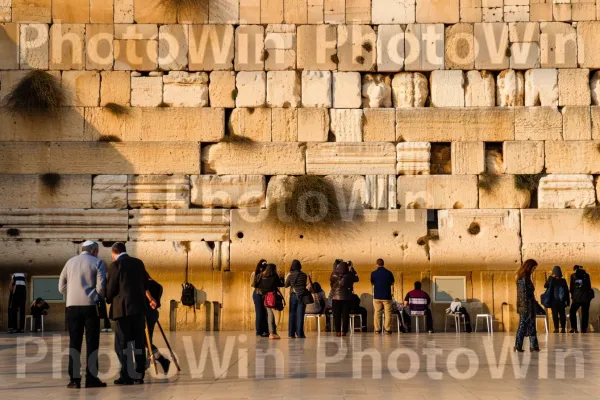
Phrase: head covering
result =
(557, 271)
(88, 243)
(296, 266)
(342, 268)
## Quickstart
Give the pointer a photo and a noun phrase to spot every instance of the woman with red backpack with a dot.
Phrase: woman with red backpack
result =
(269, 283)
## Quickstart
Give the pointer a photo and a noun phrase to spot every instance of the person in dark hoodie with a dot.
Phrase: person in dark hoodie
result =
(342, 286)
(559, 290)
(581, 295)
(296, 280)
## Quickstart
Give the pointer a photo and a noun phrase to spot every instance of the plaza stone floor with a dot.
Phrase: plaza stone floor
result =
(240, 366)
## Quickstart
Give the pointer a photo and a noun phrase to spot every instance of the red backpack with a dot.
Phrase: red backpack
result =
(270, 300)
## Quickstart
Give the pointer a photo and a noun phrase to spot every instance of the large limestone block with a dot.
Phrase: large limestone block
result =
(334, 12)
(346, 124)
(43, 255)
(480, 89)
(558, 45)
(468, 158)
(573, 87)
(437, 191)
(249, 48)
(283, 89)
(346, 90)
(566, 191)
(595, 88)
(511, 89)
(424, 47)
(223, 11)
(313, 124)
(82, 88)
(67, 49)
(587, 41)
(115, 87)
(541, 87)
(250, 12)
(432, 11)
(557, 226)
(254, 124)
(123, 12)
(211, 47)
(30, 191)
(280, 47)
(157, 124)
(272, 12)
(296, 12)
(138, 55)
(459, 47)
(447, 88)
(228, 191)
(504, 195)
(34, 46)
(222, 92)
(358, 12)
(393, 11)
(381, 191)
(379, 125)
(524, 32)
(390, 47)
(65, 224)
(350, 158)
(179, 224)
(356, 48)
(523, 157)
(524, 55)
(455, 124)
(317, 45)
(101, 11)
(471, 11)
(9, 46)
(497, 245)
(67, 125)
(251, 89)
(492, 42)
(316, 89)
(376, 91)
(146, 91)
(185, 89)
(284, 125)
(32, 11)
(257, 158)
(99, 158)
(538, 123)
(153, 12)
(173, 45)
(158, 191)
(413, 158)
(572, 157)
(99, 47)
(577, 123)
(409, 90)
(136, 32)
(397, 232)
(109, 191)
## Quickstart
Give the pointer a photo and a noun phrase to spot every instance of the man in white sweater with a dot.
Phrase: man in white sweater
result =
(83, 281)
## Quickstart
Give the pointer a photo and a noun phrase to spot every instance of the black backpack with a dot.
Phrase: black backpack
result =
(188, 295)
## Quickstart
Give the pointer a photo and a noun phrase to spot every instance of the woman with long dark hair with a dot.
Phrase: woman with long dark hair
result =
(342, 286)
(270, 282)
(296, 280)
(260, 310)
(526, 307)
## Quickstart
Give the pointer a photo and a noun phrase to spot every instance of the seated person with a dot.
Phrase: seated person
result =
(38, 308)
(355, 308)
(456, 307)
(320, 304)
(417, 301)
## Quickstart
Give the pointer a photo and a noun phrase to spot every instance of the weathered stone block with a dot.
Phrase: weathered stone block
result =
(577, 123)
(524, 32)
(437, 191)
(34, 46)
(413, 158)
(334, 12)
(123, 11)
(538, 123)
(66, 126)
(516, 13)
(572, 157)
(179, 224)
(271, 12)
(595, 114)
(511, 89)
(82, 88)
(381, 192)
(390, 48)
(540, 12)
(314, 12)
(455, 124)
(492, 14)
(32, 11)
(557, 226)
(424, 47)
(409, 90)
(158, 191)
(524, 55)
(249, 48)
(558, 45)
(211, 47)
(153, 12)
(137, 55)
(358, 12)
(480, 89)
(222, 91)
(432, 11)
(101, 11)
(99, 47)
(523, 157)
(284, 125)
(541, 87)
(459, 47)
(9, 46)
(447, 89)
(263, 159)
(492, 39)
(504, 195)
(283, 89)
(252, 124)
(379, 125)
(376, 91)
(67, 46)
(316, 89)
(573, 87)
(350, 158)
(250, 12)
(468, 158)
(356, 48)
(251, 89)
(185, 89)
(566, 191)
(346, 124)
(296, 12)
(588, 55)
(393, 11)
(29, 191)
(173, 45)
(223, 11)
(313, 124)
(228, 191)
(109, 191)
(317, 44)
(346, 90)
(146, 91)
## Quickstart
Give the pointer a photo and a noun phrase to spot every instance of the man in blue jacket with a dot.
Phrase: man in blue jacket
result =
(382, 280)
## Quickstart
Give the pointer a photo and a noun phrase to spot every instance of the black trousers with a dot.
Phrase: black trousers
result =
(585, 315)
(80, 319)
(17, 306)
(130, 344)
(559, 315)
(341, 315)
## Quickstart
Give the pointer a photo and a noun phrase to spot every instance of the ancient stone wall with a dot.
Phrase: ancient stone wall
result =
(460, 138)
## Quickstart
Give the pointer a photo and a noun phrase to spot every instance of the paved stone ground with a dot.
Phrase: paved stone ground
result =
(418, 366)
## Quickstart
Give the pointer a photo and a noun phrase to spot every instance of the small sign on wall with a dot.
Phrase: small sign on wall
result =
(446, 288)
(46, 287)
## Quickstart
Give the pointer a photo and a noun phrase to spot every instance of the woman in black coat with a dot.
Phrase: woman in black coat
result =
(559, 290)
(296, 280)
(526, 305)
(269, 282)
(342, 287)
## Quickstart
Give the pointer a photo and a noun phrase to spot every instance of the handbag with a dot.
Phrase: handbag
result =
(546, 297)
(307, 297)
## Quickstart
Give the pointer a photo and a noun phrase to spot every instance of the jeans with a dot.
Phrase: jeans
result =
(80, 319)
(297, 311)
(272, 317)
(261, 314)
(131, 332)
(384, 306)
(585, 315)
(559, 315)
(341, 315)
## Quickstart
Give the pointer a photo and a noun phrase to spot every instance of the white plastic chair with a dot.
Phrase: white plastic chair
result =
(352, 327)
(317, 317)
(457, 316)
(489, 319)
(31, 319)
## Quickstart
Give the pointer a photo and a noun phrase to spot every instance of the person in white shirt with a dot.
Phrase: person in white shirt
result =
(457, 307)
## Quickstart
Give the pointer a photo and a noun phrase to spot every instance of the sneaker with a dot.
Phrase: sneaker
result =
(74, 385)
(274, 336)
(94, 383)
(430, 331)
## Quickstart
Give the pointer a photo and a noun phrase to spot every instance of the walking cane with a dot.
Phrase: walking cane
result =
(168, 346)
(149, 345)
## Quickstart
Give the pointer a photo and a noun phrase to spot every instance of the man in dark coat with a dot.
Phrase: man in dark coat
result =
(126, 293)
(581, 295)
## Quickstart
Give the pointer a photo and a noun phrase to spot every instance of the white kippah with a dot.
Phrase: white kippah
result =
(88, 243)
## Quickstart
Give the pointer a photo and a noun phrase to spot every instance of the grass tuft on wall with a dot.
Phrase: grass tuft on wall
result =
(592, 214)
(488, 181)
(528, 182)
(37, 94)
(117, 110)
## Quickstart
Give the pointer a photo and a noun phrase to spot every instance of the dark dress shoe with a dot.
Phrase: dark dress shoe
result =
(165, 364)
(95, 383)
(517, 349)
(122, 381)
(74, 385)
(535, 349)
(138, 381)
